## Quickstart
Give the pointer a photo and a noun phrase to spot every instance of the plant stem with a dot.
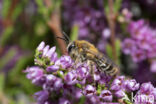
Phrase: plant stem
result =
(55, 25)
(111, 23)
(8, 20)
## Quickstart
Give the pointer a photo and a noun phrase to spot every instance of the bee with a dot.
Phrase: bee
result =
(83, 51)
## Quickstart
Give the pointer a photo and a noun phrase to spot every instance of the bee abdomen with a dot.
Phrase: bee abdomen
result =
(107, 66)
(113, 71)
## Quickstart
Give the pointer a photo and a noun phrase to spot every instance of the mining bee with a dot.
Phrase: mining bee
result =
(83, 51)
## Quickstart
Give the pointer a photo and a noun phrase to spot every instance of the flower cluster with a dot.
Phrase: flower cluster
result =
(91, 20)
(63, 82)
(147, 93)
(142, 42)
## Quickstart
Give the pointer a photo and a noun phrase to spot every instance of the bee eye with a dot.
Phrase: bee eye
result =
(70, 48)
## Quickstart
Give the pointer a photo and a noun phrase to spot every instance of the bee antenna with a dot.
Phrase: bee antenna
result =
(63, 39)
(66, 36)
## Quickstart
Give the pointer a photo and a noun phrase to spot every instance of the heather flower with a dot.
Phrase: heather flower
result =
(153, 66)
(41, 46)
(138, 55)
(35, 74)
(141, 44)
(49, 84)
(89, 90)
(106, 96)
(134, 28)
(117, 83)
(64, 101)
(82, 71)
(41, 96)
(94, 99)
(64, 62)
(131, 85)
(146, 94)
(146, 88)
(78, 93)
(143, 99)
(58, 83)
(45, 50)
(106, 33)
(128, 45)
(50, 52)
(120, 93)
(52, 68)
(97, 76)
(71, 78)
(63, 82)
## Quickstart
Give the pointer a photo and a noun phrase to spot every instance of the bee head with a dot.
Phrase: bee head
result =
(70, 47)
(70, 44)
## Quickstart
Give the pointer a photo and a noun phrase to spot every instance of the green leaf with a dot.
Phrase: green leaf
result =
(1, 82)
(6, 35)
(117, 5)
(106, 7)
(127, 102)
(5, 8)
(19, 66)
(78, 85)
(7, 57)
(74, 32)
(58, 3)
(82, 100)
(42, 9)
(118, 50)
(109, 50)
(19, 8)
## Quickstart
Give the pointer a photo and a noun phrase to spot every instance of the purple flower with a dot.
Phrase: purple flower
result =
(58, 83)
(50, 52)
(36, 74)
(41, 46)
(106, 95)
(64, 101)
(134, 28)
(146, 94)
(146, 88)
(97, 76)
(49, 84)
(128, 46)
(83, 32)
(138, 55)
(78, 93)
(65, 83)
(65, 62)
(153, 66)
(143, 99)
(54, 57)
(41, 96)
(94, 99)
(82, 72)
(142, 43)
(89, 90)
(45, 50)
(106, 33)
(71, 78)
(120, 93)
(131, 85)
(117, 83)
(52, 68)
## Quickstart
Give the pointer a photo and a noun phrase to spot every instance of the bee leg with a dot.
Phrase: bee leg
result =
(91, 70)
